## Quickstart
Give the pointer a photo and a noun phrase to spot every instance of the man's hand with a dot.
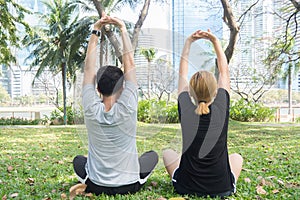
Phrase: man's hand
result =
(101, 22)
(115, 21)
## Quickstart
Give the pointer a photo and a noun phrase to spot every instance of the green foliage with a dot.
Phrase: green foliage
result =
(74, 116)
(153, 111)
(4, 96)
(149, 54)
(9, 37)
(18, 121)
(244, 111)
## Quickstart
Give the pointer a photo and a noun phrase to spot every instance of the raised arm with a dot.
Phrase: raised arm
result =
(91, 55)
(183, 66)
(127, 57)
(224, 78)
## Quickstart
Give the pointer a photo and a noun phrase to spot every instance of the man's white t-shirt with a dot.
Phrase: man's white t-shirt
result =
(112, 153)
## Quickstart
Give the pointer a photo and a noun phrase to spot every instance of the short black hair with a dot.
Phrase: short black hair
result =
(109, 80)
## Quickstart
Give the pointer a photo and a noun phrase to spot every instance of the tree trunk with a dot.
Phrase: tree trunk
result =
(137, 28)
(64, 82)
(290, 89)
(101, 55)
(233, 27)
(148, 79)
(139, 24)
(296, 4)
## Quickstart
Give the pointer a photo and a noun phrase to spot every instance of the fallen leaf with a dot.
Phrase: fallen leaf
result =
(30, 180)
(161, 198)
(88, 195)
(154, 183)
(292, 185)
(77, 189)
(53, 191)
(60, 162)
(275, 191)
(260, 190)
(13, 195)
(280, 182)
(258, 198)
(10, 168)
(271, 177)
(247, 180)
(4, 197)
(63, 196)
(262, 182)
(268, 183)
(177, 198)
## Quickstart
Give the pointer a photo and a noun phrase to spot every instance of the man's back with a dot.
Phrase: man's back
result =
(112, 158)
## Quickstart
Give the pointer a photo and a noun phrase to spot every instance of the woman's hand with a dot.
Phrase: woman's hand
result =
(204, 35)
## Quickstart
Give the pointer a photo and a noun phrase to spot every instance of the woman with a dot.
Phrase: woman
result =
(204, 167)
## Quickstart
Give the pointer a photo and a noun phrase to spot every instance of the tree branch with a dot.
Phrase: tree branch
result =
(139, 23)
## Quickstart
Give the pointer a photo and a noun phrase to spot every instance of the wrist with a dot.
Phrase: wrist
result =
(96, 32)
(123, 29)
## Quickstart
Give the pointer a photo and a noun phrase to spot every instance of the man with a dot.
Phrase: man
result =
(112, 166)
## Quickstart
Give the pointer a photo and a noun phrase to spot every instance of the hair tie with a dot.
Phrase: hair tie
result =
(201, 101)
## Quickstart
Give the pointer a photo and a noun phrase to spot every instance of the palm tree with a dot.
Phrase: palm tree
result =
(149, 54)
(59, 43)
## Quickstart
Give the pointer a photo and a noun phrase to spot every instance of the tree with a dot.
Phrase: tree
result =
(257, 83)
(100, 7)
(59, 43)
(163, 78)
(284, 55)
(290, 14)
(11, 15)
(149, 54)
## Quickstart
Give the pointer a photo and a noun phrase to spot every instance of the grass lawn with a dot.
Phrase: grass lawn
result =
(36, 162)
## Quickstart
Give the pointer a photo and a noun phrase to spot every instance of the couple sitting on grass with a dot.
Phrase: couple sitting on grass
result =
(112, 166)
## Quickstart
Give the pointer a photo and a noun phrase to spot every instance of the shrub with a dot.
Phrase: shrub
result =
(18, 121)
(153, 111)
(74, 116)
(244, 111)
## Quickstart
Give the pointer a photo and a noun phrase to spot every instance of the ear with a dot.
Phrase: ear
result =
(98, 90)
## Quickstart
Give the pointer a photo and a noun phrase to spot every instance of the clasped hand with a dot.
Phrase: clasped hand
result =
(105, 19)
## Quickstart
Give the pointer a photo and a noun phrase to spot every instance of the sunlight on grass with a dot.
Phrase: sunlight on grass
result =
(36, 163)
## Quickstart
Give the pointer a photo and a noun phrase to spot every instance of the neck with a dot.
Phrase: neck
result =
(109, 101)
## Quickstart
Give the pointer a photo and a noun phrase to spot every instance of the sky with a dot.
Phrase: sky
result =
(157, 15)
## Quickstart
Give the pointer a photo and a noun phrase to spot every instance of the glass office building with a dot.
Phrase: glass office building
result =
(189, 16)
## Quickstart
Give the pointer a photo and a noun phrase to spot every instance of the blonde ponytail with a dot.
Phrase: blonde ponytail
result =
(202, 109)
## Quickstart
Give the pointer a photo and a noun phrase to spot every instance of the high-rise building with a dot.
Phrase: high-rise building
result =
(189, 16)
(259, 27)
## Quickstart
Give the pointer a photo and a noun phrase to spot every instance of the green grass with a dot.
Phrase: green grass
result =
(35, 163)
